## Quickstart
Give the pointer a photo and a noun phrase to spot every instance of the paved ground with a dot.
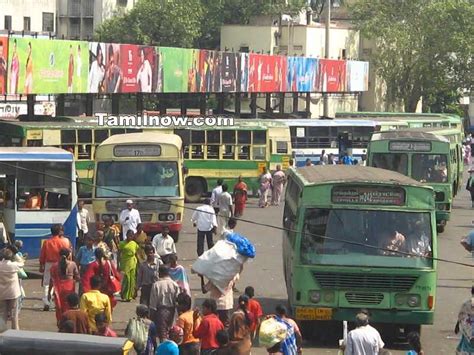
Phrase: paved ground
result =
(266, 275)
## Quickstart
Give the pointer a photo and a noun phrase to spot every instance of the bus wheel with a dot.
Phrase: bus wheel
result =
(195, 187)
(440, 227)
(175, 236)
(412, 328)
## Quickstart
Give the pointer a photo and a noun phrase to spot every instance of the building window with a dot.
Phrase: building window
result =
(8, 23)
(48, 22)
(244, 49)
(27, 24)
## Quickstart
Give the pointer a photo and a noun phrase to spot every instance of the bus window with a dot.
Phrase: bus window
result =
(430, 167)
(259, 137)
(84, 136)
(229, 151)
(258, 153)
(243, 137)
(84, 151)
(391, 161)
(213, 137)
(213, 152)
(244, 152)
(68, 136)
(100, 135)
(34, 143)
(117, 131)
(282, 147)
(228, 137)
(198, 137)
(185, 135)
(197, 152)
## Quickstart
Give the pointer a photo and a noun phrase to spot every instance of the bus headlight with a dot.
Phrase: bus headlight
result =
(414, 300)
(314, 296)
(166, 217)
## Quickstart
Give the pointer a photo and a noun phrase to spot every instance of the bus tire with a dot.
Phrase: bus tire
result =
(194, 189)
(440, 227)
(175, 236)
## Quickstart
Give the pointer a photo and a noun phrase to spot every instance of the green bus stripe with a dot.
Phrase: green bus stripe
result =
(222, 164)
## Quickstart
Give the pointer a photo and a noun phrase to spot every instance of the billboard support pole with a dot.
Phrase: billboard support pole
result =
(89, 104)
(237, 104)
(202, 104)
(30, 106)
(253, 105)
(308, 105)
(326, 54)
(282, 103)
(139, 98)
(161, 104)
(268, 103)
(60, 105)
(220, 103)
(295, 102)
(182, 101)
(115, 104)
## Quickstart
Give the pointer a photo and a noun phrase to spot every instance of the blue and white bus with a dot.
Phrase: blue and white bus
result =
(37, 190)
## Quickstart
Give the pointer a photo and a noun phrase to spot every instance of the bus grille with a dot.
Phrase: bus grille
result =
(144, 205)
(387, 283)
(364, 298)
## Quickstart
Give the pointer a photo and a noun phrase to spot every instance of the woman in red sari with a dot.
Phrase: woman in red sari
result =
(64, 275)
(240, 197)
(108, 273)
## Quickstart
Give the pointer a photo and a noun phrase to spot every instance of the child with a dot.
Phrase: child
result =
(170, 345)
(75, 315)
(103, 328)
(255, 308)
(84, 257)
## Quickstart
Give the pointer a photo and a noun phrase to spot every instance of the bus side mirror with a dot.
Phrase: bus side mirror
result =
(185, 170)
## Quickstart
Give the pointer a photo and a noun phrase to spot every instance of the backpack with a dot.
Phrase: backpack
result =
(137, 332)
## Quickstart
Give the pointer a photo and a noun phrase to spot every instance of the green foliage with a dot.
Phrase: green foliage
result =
(424, 48)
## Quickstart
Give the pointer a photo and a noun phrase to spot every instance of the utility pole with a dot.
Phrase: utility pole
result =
(326, 54)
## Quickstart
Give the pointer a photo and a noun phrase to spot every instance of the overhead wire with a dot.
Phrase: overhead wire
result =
(163, 200)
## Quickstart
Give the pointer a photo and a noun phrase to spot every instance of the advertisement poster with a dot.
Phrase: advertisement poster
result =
(3, 64)
(129, 62)
(38, 66)
(209, 71)
(96, 79)
(357, 76)
(113, 70)
(302, 74)
(267, 73)
(194, 77)
(13, 109)
(243, 72)
(229, 72)
(332, 75)
(176, 66)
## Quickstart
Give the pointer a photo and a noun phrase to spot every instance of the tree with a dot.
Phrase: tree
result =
(424, 48)
(173, 23)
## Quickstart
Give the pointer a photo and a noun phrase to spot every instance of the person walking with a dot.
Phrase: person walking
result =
(190, 344)
(279, 180)
(64, 275)
(147, 274)
(265, 186)
(323, 158)
(178, 274)
(103, 326)
(142, 321)
(129, 219)
(94, 302)
(362, 340)
(464, 326)
(163, 295)
(75, 315)
(128, 250)
(204, 218)
(224, 300)
(10, 292)
(85, 256)
(216, 192)
(231, 224)
(225, 207)
(141, 238)
(240, 327)
(49, 255)
(206, 327)
(83, 221)
(240, 197)
(111, 237)
(255, 308)
(170, 345)
(470, 185)
(164, 244)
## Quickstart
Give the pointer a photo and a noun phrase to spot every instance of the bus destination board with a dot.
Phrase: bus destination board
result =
(137, 151)
(410, 146)
(364, 195)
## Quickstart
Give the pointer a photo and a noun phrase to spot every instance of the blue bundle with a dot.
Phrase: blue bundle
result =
(244, 246)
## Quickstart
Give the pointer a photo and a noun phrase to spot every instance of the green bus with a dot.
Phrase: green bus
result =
(340, 225)
(425, 157)
(210, 152)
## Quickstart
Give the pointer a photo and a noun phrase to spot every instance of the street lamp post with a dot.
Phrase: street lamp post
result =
(326, 54)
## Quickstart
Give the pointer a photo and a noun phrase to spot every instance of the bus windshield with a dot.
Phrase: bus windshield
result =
(374, 238)
(391, 161)
(430, 167)
(138, 178)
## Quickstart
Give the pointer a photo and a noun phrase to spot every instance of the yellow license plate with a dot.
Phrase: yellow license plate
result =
(307, 313)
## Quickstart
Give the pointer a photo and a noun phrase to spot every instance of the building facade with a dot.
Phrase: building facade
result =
(30, 16)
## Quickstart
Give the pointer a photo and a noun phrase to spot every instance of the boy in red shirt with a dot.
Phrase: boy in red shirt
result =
(208, 328)
(255, 308)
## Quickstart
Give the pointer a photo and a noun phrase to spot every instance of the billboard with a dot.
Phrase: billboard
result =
(13, 109)
(229, 72)
(113, 71)
(97, 59)
(302, 74)
(209, 71)
(47, 67)
(3, 65)
(177, 63)
(332, 75)
(267, 73)
(357, 76)
(243, 72)
(194, 77)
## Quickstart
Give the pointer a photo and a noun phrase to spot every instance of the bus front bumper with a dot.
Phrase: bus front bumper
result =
(157, 227)
(379, 316)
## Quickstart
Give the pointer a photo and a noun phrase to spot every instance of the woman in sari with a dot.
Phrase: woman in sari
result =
(108, 273)
(465, 326)
(64, 275)
(239, 329)
(265, 186)
(141, 239)
(128, 250)
(178, 274)
(240, 197)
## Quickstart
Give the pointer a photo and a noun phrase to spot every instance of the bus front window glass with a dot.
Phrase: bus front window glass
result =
(391, 161)
(282, 147)
(366, 237)
(138, 178)
(430, 168)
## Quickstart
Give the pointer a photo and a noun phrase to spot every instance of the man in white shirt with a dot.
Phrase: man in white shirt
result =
(10, 290)
(365, 339)
(225, 207)
(204, 218)
(323, 159)
(164, 244)
(83, 220)
(224, 301)
(129, 219)
(216, 193)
